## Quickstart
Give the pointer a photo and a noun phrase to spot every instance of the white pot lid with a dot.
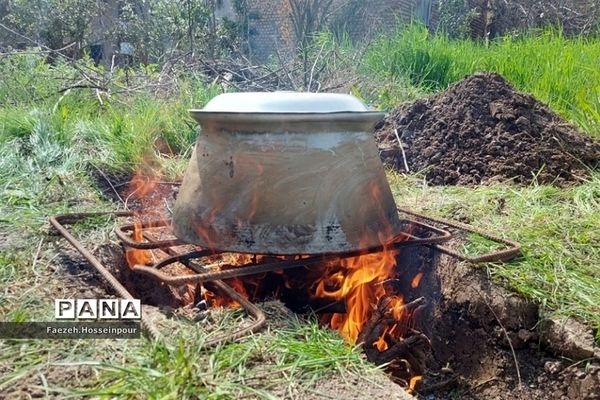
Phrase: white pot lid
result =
(283, 102)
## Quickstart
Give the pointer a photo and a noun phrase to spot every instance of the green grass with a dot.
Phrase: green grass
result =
(50, 141)
(47, 155)
(119, 129)
(562, 72)
(270, 365)
(558, 228)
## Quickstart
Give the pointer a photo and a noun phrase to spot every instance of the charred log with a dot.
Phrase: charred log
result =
(405, 354)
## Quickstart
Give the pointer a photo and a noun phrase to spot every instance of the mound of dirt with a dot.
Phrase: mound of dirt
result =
(482, 130)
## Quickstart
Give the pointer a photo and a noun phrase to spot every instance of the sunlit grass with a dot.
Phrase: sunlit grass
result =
(558, 228)
(49, 141)
(273, 364)
(562, 72)
(119, 130)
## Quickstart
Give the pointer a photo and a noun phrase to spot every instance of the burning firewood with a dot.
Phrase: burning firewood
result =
(389, 338)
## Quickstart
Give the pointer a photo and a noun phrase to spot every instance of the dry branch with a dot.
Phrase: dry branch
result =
(405, 355)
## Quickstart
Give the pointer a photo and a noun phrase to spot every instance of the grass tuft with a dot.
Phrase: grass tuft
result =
(558, 70)
(558, 228)
(270, 365)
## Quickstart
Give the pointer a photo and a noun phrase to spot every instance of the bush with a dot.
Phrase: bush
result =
(119, 126)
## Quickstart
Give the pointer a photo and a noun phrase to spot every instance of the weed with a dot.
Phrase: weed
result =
(270, 365)
(49, 136)
(557, 70)
(558, 229)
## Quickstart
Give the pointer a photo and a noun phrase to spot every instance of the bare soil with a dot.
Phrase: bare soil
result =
(488, 343)
(470, 322)
(482, 130)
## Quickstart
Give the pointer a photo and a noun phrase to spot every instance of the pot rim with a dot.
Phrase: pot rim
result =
(257, 117)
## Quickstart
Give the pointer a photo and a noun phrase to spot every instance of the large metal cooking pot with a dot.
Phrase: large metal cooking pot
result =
(285, 173)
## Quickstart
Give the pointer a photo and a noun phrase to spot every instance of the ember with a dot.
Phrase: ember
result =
(350, 291)
(357, 281)
(325, 238)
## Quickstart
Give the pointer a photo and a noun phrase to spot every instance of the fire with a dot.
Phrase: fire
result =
(240, 259)
(416, 281)
(222, 301)
(403, 321)
(379, 319)
(141, 186)
(412, 384)
(357, 281)
(141, 190)
(137, 256)
(381, 344)
(239, 285)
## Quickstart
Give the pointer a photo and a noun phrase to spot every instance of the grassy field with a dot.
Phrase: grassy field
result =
(52, 142)
(562, 72)
(558, 228)
(291, 358)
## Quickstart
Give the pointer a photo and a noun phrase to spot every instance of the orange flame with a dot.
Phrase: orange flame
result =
(416, 281)
(381, 344)
(137, 256)
(404, 318)
(357, 281)
(141, 186)
(239, 285)
(143, 190)
(412, 384)
(223, 301)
